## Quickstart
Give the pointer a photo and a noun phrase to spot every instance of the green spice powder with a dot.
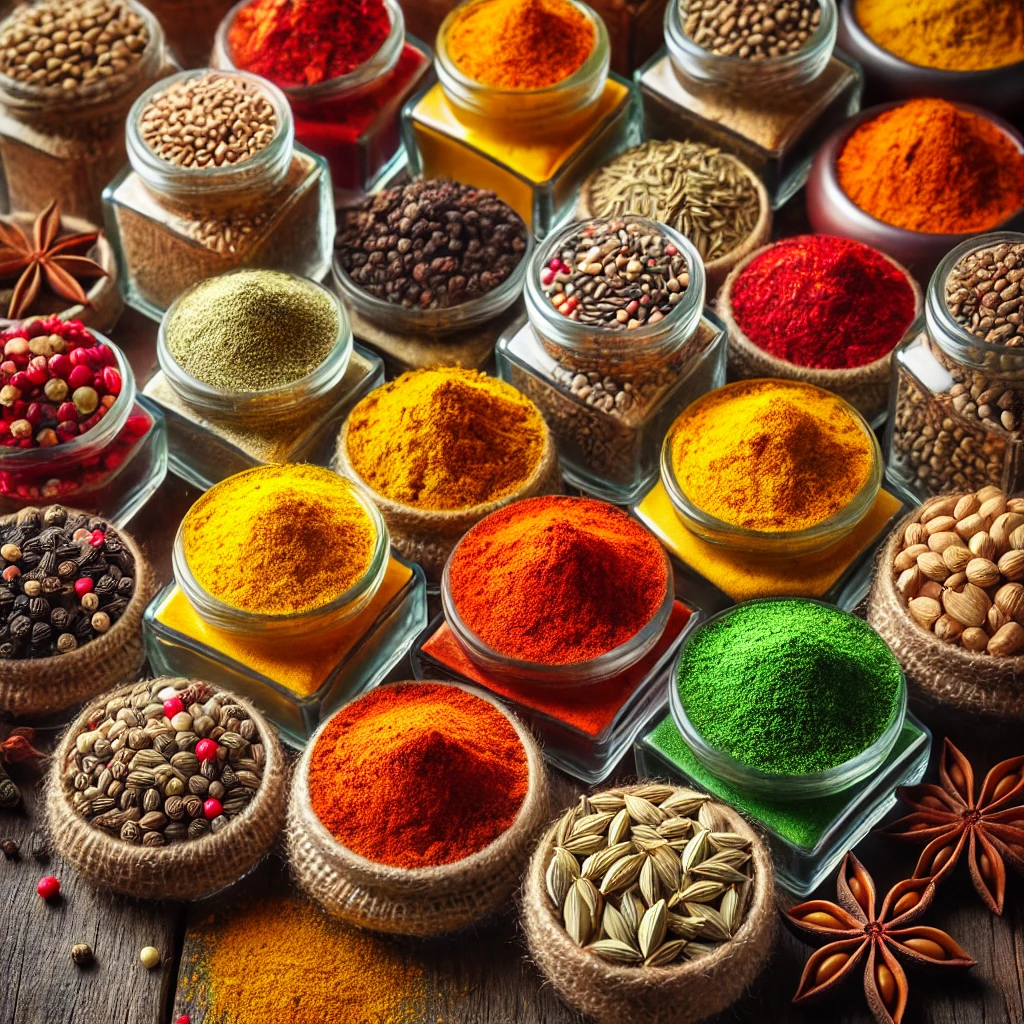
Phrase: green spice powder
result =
(789, 686)
(252, 330)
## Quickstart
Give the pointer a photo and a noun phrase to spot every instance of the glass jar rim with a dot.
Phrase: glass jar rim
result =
(954, 340)
(266, 165)
(823, 36)
(768, 784)
(100, 435)
(604, 666)
(209, 397)
(344, 606)
(682, 319)
(375, 66)
(781, 542)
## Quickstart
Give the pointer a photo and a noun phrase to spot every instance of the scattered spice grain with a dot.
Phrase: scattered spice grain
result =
(983, 292)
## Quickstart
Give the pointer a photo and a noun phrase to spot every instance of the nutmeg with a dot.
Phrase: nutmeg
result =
(973, 524)
(974, 639)
(982, 545)
(947, 628)
(1007, 641)
(982, 572)
(939, 507)
(993, 507)
(966, 506)
(915, 533)
(932, 566)
(969, 607)
(925, 610)
(1011, 565)
(1009, 599)
(940, 524)
(940, 541)
(956, 557)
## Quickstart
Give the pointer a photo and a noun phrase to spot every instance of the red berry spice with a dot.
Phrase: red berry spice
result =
(211, 808)
(48, 887)
(83, 586)
(173, 706)
(205, 749)
(184, 1019)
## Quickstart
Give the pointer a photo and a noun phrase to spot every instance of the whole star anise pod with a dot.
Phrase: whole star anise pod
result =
(853, 934)
(45, 257)
(948, 818)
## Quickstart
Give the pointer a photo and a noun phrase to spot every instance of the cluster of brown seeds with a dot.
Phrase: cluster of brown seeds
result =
(637, 881)
(961, 571)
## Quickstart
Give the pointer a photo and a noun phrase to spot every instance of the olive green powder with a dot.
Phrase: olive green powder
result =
(252, 330)
(789, 686)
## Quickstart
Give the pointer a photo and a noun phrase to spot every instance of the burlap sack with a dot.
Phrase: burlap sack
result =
(679, 994)
(938, 672)
(715, 270)
(427, 537)
(46, 686)
(866, 388)
(187, 870)
(414, 901)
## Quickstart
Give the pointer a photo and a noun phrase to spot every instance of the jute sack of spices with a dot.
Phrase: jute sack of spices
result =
(46, 686)
(937, 671)
(119, 856)
(421, 901)
(865, 387)
(685, 991)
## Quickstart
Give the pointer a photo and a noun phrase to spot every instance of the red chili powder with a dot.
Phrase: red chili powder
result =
(823, 302)
(417, 774)
(557, 580)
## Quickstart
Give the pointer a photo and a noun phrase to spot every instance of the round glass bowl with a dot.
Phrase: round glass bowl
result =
(464, 317)
(781, 786)
(579, 673)
(601, 349)
(889, 77)
(704, 70)
(270, 406)
(832, 212)
(543, 112)
(345, 606)
(782, 543)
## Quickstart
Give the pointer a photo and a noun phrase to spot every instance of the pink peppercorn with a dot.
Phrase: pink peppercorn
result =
(173, 706)
(79, 377)
(206, 750)
(83, 586)
(212, 808)
(48, 887)
(97, 538)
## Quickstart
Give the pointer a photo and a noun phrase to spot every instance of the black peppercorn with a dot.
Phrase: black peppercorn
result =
(105, 586)
(39, 608)
(21, 626)
(9, 848)
(41, 634)
(125, 586)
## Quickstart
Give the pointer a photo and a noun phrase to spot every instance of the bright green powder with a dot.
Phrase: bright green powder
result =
(789, 686)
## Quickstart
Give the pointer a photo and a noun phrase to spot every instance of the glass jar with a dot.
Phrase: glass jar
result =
(957, 402)
(111, 470)
(63, 145)
(353, 120)
(532, 147)
(807, 837)
(174, 226)
(610, 448)
(772, 114)
(297, 668)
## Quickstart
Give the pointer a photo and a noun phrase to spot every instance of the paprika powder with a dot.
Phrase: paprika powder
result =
(418, 774)
(823, 302)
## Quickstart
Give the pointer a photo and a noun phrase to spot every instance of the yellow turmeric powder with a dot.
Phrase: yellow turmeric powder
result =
(445, 439)
(770, 455)
(276, 540)
(520, 44)
(956, 35)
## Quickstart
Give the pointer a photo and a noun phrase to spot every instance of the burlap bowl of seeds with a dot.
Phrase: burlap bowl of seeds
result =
(146, 829)
(642, 974)
(51, 685)
(933, 641)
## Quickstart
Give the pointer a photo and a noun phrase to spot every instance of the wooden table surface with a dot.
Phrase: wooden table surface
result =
(483, 977)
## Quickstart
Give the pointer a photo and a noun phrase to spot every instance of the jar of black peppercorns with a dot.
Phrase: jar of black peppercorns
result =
(430, 270)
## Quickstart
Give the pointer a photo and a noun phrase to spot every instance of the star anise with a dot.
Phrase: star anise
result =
(853, 934)
(948, 818)
(45, 257)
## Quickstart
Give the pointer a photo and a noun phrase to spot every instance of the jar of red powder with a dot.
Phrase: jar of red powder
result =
(352, 120)
(111, 467)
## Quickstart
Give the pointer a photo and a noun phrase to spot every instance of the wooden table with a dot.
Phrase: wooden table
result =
(479, 978)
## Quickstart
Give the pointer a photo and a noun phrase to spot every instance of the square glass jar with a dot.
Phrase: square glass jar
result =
(203, 449)
(772, 114)
(324, 671)
(807, 838)
(607, 716)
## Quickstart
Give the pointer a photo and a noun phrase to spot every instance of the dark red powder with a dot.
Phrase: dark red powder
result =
(823, 302)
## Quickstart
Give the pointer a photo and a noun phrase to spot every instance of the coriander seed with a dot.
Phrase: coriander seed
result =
(81, 954)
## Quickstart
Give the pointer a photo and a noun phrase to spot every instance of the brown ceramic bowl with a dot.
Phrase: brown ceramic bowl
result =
(832, 212)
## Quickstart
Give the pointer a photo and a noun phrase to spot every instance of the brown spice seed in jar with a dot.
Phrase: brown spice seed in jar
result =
(750, 31)
(985, 294)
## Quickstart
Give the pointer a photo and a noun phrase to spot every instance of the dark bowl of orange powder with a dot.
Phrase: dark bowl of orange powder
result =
(916, 178)
(557, 591)
(414, 809)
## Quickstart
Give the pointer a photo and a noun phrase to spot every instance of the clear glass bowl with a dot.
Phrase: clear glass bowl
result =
(778, 785)
(781, 543)
(273, 404)
(295, 625)
(466, 316)
(609, 664)
(702, 68)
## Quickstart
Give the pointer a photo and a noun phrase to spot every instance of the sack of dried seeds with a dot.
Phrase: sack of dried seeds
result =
(166, 789)
(72, 597)
(650, 903)
(947, 597)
